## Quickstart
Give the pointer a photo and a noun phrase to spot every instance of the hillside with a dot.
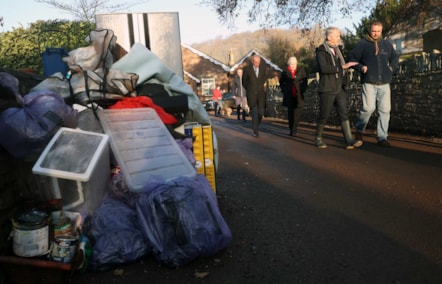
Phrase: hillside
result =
(242, 43)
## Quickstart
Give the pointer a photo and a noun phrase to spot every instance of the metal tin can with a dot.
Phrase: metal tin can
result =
(62, 226)
(64, 248)
(30, 233)
(188, 129)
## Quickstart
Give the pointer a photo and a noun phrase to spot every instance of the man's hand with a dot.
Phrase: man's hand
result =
(348, 65)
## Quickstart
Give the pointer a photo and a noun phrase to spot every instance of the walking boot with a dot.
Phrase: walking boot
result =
(359, 135)
(350, 142)
(318, 137)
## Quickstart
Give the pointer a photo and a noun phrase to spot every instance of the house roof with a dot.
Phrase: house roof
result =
(225, 67)
(205, 56)
(250, 53)
(194, 78)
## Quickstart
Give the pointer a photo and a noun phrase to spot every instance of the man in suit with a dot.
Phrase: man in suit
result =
(253, 80)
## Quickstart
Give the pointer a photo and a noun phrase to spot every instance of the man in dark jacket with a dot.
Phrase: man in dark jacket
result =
(331, 88)
(253, 80)
(377, 60)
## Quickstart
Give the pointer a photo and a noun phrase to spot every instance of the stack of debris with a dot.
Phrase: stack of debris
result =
(121, 203)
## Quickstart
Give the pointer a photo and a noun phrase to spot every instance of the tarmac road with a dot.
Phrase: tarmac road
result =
(299, 214)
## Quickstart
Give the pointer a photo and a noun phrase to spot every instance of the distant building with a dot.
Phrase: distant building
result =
(203, 72)
(420, 30)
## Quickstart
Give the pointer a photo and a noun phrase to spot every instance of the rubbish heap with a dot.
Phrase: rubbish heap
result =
(123, 165)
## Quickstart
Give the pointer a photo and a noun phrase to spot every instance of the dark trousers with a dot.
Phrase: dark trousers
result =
(327, 101)
(257, 113)
(217, 108)
(240, 112)
(294, 116)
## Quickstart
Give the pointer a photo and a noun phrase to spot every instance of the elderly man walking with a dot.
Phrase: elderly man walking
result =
(253, 80)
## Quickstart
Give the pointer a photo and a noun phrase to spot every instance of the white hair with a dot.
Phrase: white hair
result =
(292, 61)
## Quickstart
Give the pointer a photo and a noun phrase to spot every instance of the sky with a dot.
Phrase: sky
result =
(197, 23)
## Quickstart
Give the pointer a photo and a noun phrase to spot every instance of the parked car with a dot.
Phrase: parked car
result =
(208, 104)
(228, 101)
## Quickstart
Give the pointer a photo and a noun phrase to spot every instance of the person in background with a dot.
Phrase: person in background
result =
(253, 80)
(333, 78)
(239, 93)
(293, 81)
(217, 97)
(376, 62)
(273, 82)
(273, 92)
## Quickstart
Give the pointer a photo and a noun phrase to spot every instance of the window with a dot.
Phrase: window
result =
(207, 86)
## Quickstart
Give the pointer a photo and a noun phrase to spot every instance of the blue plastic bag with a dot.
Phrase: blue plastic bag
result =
(181, 221)
(117, 236)
(27, 130)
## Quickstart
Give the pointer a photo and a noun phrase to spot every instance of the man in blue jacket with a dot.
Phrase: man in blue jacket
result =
(377, 61)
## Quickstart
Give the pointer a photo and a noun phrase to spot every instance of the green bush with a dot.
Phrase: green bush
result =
(23, 47)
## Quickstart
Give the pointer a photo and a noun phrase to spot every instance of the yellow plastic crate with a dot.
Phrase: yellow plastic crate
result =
(204, 154)
(198, 149)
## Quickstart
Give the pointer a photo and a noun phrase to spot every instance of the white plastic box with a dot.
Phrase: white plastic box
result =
(78, 166)
(143, 147)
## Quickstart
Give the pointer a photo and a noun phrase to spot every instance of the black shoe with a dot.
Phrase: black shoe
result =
(384, 143)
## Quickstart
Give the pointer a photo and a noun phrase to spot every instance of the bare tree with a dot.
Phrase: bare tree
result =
(276, 13)
(85, 10)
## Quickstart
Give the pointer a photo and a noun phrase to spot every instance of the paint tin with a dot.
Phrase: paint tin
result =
(30, 233)
(62, 226)
(64, 248)
(188, 129)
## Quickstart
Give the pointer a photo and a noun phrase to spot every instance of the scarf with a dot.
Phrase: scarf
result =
(334, 51)
(376, 46)
(293, 74)
(292, 71)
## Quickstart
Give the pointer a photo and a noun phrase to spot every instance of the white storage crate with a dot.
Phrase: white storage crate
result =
(143, 147)
(78, 166)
